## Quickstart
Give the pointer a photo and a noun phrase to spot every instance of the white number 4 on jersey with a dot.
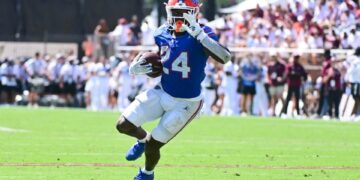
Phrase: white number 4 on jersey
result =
(180, 65)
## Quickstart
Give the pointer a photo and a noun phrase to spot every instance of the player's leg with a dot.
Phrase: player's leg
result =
(354, 95)
(331, 99)
(225, 106)
(243, 102)
(356, 106)
(170, 125)
(152, 157)
(124, 126)
(146, 107)
(273, 99)
(251, 100)
(357, 99)
(286, 104)
(321, 101)
(337, 97)
(152, 153)
(279, 97)
(280, 94)
(297, 100)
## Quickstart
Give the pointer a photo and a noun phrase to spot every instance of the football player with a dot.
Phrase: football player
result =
(184, 46)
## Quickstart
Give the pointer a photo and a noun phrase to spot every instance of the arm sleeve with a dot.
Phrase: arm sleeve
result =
(209, 41)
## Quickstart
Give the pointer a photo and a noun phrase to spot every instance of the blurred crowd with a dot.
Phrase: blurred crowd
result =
(64, 81)
(266, 84)
(297, 24)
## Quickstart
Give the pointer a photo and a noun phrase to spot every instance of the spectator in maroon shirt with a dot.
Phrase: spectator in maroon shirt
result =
(295, 75)
(332, 86)
(324, 72)
(276, 77)
(259, 12)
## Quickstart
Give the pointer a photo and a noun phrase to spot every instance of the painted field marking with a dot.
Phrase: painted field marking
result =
(183, 166)
(11, 130)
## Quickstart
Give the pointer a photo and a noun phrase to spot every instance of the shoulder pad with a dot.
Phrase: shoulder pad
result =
(162, 35)
(162, 29)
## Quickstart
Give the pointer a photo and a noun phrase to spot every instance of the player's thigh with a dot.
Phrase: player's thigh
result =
(146, 107)
(172, 122)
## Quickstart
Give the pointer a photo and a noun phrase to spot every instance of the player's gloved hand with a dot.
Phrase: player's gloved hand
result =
(138, 66)
(194, 28)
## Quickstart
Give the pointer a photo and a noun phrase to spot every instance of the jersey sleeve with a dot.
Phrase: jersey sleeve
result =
(162, 36)
(210, 32)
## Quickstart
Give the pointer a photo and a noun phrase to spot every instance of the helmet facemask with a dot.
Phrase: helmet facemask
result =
(175, 15)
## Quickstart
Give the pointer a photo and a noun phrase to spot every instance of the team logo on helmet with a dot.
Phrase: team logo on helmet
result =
(195, 1)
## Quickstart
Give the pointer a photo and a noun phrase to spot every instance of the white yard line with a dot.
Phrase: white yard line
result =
(11, 130)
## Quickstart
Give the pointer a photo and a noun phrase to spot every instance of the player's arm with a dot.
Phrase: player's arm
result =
(212, 47)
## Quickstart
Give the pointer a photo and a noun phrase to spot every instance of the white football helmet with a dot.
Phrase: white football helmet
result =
(175, 10)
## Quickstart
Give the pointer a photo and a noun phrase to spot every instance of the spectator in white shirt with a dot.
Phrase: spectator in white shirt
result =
(229, 85)
(353, 77)
(120, 33)
(36, 70)
(68, 81)
(53, 72)
(81, 75)
(36, 67)
(97, 91)
(9, 74)
(209, 88)
(147, 31)
(123, 80)
(321, 12)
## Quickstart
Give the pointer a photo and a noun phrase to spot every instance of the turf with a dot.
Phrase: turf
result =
(76, 144)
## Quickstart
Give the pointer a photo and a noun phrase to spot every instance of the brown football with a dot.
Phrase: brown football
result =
(155, 60)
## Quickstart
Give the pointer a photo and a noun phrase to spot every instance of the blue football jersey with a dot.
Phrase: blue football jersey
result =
(184, 61)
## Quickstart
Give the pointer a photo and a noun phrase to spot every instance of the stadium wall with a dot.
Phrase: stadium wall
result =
(27, 49)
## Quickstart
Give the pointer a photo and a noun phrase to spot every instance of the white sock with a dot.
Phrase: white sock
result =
(147, 172)
(147, 137)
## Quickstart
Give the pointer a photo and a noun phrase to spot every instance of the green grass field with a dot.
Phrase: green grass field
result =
(76, 144)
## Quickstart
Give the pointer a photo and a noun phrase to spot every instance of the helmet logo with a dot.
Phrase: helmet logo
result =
(195, 1)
